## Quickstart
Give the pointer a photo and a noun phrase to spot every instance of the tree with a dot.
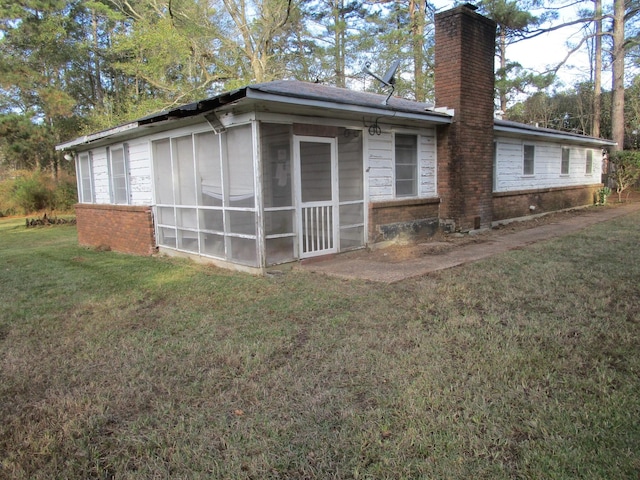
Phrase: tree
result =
(624, 170)
(38, 78)
(617, 71)
(597, 69)
(514, 21)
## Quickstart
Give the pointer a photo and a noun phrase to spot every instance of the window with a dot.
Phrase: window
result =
(119, 169)
(589, 163)
(85, 185)
(406, 150)
(528, 166)
(564, 167)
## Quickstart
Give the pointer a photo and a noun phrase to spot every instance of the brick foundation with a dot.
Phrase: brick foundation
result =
(508, 205)
(393, 218)
(122, 228)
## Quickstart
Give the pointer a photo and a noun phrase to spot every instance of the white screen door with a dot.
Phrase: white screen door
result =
(315, 159)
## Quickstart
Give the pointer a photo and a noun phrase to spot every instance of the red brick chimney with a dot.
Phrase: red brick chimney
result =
(464, 82)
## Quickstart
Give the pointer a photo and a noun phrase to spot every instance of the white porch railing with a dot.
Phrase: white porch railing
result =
(317, 230)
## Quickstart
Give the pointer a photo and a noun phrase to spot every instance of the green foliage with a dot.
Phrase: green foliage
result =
(602, 195)
(31, 194)
(625, 170)
(26, 192)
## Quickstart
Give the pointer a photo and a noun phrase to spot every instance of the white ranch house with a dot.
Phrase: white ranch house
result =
(287, 170)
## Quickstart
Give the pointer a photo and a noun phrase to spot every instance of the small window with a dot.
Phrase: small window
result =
(85, 185)
(589, 163)
(564, 167)
(119, 169)
(528, 166)
(406, 150)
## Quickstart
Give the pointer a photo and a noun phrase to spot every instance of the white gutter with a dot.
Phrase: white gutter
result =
(96, 136)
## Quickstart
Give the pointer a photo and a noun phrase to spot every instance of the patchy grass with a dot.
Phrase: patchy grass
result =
(522, 366)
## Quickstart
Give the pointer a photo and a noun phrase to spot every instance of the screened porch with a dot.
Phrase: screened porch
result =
(258, 195)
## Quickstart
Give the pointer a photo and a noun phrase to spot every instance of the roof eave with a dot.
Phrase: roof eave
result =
(555, 136)
(97, 136)
(347, 107)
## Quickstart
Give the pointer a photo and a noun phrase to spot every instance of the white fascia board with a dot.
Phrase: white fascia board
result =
(96, 136)
(256, 95)
(522, 132)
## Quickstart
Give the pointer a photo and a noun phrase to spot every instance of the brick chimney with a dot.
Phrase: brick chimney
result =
(464, 81)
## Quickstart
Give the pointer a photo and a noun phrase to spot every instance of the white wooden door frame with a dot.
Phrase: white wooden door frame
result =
(332, 246)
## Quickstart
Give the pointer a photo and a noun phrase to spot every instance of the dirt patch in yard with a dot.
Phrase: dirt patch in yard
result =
(442, 243)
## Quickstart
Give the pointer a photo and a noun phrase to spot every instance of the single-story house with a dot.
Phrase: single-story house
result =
(287, 170)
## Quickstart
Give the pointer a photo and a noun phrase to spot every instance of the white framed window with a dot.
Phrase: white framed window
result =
(406, 165)
(589, 162)
(564, 165)
(528, 159)
(85, 176)
(119, 174)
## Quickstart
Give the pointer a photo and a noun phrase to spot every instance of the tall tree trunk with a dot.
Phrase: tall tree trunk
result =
(502, 90)
(597, 74)
(617, 107)
(98, 93)
(339, 40)
(417, 14)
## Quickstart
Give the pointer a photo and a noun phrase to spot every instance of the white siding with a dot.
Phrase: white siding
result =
(380, 164)
(101, 176)
(140, 172)
(427, 164)
(547, 164)
(380, 158)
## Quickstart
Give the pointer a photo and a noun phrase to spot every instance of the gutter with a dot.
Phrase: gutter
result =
(550, 134)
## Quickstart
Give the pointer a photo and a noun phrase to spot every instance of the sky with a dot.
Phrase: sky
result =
(549, 49)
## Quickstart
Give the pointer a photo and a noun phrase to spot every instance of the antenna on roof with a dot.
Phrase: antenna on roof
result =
(388, 80)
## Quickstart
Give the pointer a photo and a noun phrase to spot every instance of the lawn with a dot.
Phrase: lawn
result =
(526, 365)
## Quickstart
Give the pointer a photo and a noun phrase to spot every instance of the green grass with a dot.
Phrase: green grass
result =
(526, 365)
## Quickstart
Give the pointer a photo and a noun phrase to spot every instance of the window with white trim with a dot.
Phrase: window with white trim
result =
(119, 174)
(406, 165)
(85, 176)
(564, 166)
(528, 161)
(589, 162)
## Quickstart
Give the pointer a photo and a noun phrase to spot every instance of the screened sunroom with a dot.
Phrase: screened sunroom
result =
(258, 195)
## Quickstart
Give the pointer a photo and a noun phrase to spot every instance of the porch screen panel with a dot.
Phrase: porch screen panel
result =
(276, 165)
(351, 189)
(279, 212)
(210, 169)
(163, 172)
(240, 181)
(185, 170)
(350, 166)
(315, 171)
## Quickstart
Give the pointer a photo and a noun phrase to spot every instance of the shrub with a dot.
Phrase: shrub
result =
(625, 170)
(65, 194)
(25, 192)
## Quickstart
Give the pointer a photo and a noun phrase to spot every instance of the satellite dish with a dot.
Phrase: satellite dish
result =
(388, 80)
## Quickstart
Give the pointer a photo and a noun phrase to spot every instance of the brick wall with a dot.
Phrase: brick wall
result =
(396, 217)
(123, 228)
(517, 204)
(464, 81)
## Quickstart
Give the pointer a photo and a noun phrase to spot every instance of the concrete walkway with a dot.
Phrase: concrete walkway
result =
(372, 266)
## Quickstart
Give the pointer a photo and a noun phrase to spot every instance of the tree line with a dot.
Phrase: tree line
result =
(69, 67)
